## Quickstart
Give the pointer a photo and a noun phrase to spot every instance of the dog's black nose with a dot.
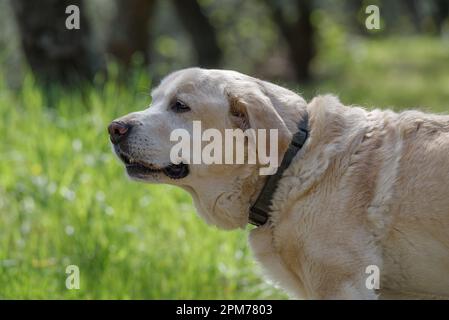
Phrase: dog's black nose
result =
(118, 131)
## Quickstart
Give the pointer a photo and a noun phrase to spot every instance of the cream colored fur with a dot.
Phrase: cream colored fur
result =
(368, 188)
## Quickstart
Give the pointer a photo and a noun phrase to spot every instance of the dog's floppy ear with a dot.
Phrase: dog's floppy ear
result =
(251, 108)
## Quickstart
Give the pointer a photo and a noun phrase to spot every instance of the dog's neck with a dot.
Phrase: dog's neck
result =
(333, 139)
(259, 212)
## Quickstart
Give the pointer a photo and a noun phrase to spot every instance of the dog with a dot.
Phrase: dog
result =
(366, 195)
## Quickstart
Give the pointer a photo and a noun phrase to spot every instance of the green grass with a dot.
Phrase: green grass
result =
(64, 198)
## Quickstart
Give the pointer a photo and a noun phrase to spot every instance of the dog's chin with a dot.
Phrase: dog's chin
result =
(151, 172)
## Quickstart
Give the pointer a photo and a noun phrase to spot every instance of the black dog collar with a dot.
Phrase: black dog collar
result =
(259, 212)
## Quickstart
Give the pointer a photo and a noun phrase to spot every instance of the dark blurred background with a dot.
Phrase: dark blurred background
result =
(273, 39)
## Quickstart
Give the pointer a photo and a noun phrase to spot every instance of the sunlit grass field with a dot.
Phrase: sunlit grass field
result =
(65, 200)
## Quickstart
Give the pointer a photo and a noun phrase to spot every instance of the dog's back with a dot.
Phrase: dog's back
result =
(416, 248)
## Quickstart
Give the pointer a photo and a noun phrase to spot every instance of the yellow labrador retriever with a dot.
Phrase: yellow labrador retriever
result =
(362, 210)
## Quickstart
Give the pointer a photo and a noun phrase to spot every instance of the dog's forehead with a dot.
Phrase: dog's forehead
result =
(177, 82)
(204, 85)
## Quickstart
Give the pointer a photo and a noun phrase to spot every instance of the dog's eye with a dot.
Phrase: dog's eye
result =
(180, 107)
(237, 114)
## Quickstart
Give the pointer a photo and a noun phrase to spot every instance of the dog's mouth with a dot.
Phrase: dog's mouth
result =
(136, 168)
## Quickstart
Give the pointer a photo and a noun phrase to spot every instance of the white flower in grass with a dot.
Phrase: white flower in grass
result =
(181, 233)
(9, 262)
(85, 177)
(89, 160)
(25, 227)
(239, 254)
(223, 268)
(144, 201)
(105, 157)
(40, 181)
(16, 156)
(69, 230)
(109, 211)
(129, 228)
(20, 243)
(28, 204)
(77, 145)
(142, 247)
(67, 194)
(51, 188)
(100, 196)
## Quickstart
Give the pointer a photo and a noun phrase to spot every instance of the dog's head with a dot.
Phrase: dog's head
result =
(219, 100)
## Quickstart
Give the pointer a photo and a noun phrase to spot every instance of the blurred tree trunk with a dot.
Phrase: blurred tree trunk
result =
(356, 10)
(299, 35)
(130, 30)
(55, 53)
(412, 7)
(201, 32)
(441, 12)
